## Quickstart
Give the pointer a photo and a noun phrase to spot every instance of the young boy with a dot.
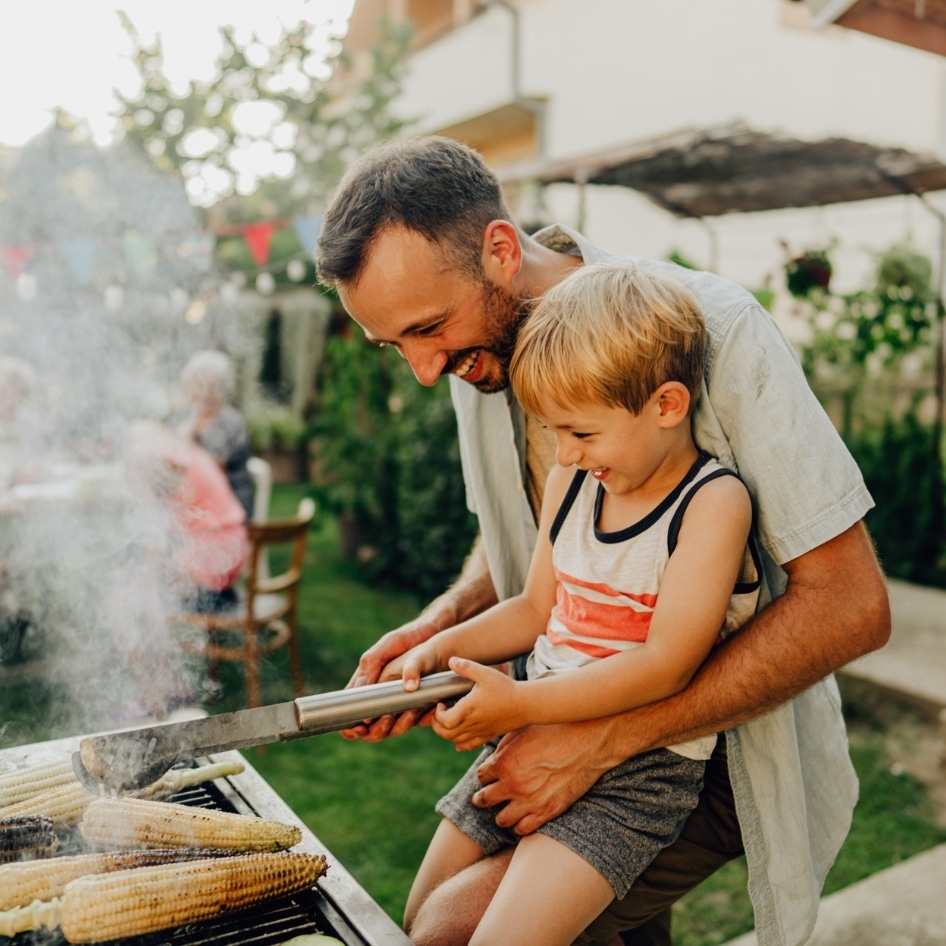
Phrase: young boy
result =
(644, 557)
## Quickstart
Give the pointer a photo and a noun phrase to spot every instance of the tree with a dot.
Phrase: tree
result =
(267, 99)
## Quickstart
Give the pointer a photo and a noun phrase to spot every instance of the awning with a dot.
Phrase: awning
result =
(709, 172)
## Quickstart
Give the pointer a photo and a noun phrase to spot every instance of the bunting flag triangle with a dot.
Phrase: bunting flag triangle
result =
(307, 229)
(259, 238)
(16, 258)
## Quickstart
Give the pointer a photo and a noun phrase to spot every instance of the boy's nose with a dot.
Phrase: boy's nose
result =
(567, 454)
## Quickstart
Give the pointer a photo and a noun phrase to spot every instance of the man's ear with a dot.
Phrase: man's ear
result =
(673, 400)
(502, 252)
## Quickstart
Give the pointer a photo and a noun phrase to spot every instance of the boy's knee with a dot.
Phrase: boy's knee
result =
(452, 911)
(438, 923)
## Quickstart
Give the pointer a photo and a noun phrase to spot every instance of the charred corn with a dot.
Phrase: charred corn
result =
(21, 884)
(26, 837)
(21, 784)
(114, 823)
(66, 803)
(132, 903)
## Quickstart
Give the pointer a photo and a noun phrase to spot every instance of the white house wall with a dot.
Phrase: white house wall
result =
(618, 71)
(463, 74)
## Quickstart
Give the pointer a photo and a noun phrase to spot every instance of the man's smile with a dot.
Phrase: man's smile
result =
(469, 369)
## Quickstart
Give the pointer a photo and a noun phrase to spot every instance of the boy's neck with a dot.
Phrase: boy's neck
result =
(623, 510)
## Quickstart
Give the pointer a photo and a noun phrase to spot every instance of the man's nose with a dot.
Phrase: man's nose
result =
(426, 361)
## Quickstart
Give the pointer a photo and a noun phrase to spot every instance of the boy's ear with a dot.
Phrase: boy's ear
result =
(673, 400)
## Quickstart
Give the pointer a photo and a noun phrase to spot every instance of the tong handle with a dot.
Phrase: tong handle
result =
(329, 712)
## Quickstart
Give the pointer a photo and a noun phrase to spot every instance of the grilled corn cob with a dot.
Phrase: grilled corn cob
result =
(134, 902)
(26, 837)
(21, 784)
(21, 884)
(114, 823)
(66, 803)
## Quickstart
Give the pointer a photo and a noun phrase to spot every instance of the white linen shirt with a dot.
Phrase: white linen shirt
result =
(793, 782)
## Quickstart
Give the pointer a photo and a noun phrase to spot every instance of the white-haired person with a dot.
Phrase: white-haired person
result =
(215, 424)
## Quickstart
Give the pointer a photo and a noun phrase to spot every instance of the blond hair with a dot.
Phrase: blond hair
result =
(609, 333)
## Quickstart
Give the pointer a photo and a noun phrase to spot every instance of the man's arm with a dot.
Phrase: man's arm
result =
(834, 610)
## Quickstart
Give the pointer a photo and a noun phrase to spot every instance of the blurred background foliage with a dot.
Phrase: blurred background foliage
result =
(874, 358)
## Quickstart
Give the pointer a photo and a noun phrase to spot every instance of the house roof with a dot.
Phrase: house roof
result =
(709, 172)
(918, 23)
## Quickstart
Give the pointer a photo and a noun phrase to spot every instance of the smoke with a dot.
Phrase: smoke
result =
(106, 288)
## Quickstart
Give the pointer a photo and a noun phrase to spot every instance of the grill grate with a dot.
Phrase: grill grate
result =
(267, 924)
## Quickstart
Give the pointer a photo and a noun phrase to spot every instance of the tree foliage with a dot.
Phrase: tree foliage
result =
(264, 101)
(875, 352)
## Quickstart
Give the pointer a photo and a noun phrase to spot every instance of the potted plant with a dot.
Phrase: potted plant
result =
(278, 433)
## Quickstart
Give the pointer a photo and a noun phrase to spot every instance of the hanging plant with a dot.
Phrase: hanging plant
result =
(811, 270)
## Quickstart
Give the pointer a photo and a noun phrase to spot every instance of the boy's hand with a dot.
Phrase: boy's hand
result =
(488, 710)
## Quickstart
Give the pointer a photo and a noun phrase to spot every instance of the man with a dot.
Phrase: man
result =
(422, 251)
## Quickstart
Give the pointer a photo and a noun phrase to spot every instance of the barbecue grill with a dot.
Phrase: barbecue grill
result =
(337, 905)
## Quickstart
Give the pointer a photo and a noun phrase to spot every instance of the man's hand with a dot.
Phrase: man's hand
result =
(537, 772)
(377, 664)
(471, 593)
(837, 589)
(487, 711)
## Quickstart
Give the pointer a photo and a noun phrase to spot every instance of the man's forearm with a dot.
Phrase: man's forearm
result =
(470, 594)
(835, 610)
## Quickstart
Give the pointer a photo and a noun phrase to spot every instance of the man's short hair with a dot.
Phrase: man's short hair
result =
(610, 333)
(433, 185)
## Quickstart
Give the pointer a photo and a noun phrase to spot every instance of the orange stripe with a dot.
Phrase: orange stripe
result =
(648, 600)
(590, 649)
(601, 620)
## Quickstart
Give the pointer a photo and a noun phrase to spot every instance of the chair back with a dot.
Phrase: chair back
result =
(265, 618)
(263, 536)
(262, 474)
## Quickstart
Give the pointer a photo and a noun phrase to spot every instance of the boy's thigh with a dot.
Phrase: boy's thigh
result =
(710, 838)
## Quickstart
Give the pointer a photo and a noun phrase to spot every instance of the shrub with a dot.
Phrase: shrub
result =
(386, 454)
(907, 524)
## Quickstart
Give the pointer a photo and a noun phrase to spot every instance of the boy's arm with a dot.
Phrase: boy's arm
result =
(505, 630)
(834, 610)
(691, 608)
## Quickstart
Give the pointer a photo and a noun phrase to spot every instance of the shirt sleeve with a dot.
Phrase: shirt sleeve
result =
(762, 412)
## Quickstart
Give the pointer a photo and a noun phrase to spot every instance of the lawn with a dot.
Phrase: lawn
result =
(372, 805)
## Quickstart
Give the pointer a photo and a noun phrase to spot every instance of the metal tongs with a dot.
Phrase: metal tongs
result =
(127, 760)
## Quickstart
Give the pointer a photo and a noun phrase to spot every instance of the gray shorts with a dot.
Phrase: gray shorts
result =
(631, 813)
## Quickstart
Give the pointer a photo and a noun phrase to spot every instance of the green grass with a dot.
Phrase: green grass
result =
(372, 805)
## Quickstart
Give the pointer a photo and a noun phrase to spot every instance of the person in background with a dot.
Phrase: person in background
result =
(643, 558)
(425, 256)
(216, 424)
(195, 511)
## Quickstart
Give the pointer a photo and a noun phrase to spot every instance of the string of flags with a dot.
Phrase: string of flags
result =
(142, 252)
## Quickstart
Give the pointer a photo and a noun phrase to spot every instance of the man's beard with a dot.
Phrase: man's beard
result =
(503, 315)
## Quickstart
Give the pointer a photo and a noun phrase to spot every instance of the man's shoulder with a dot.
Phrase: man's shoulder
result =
(720, 299)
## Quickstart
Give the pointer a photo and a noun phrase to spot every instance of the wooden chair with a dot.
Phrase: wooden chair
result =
(265, 617)
(261, 472)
